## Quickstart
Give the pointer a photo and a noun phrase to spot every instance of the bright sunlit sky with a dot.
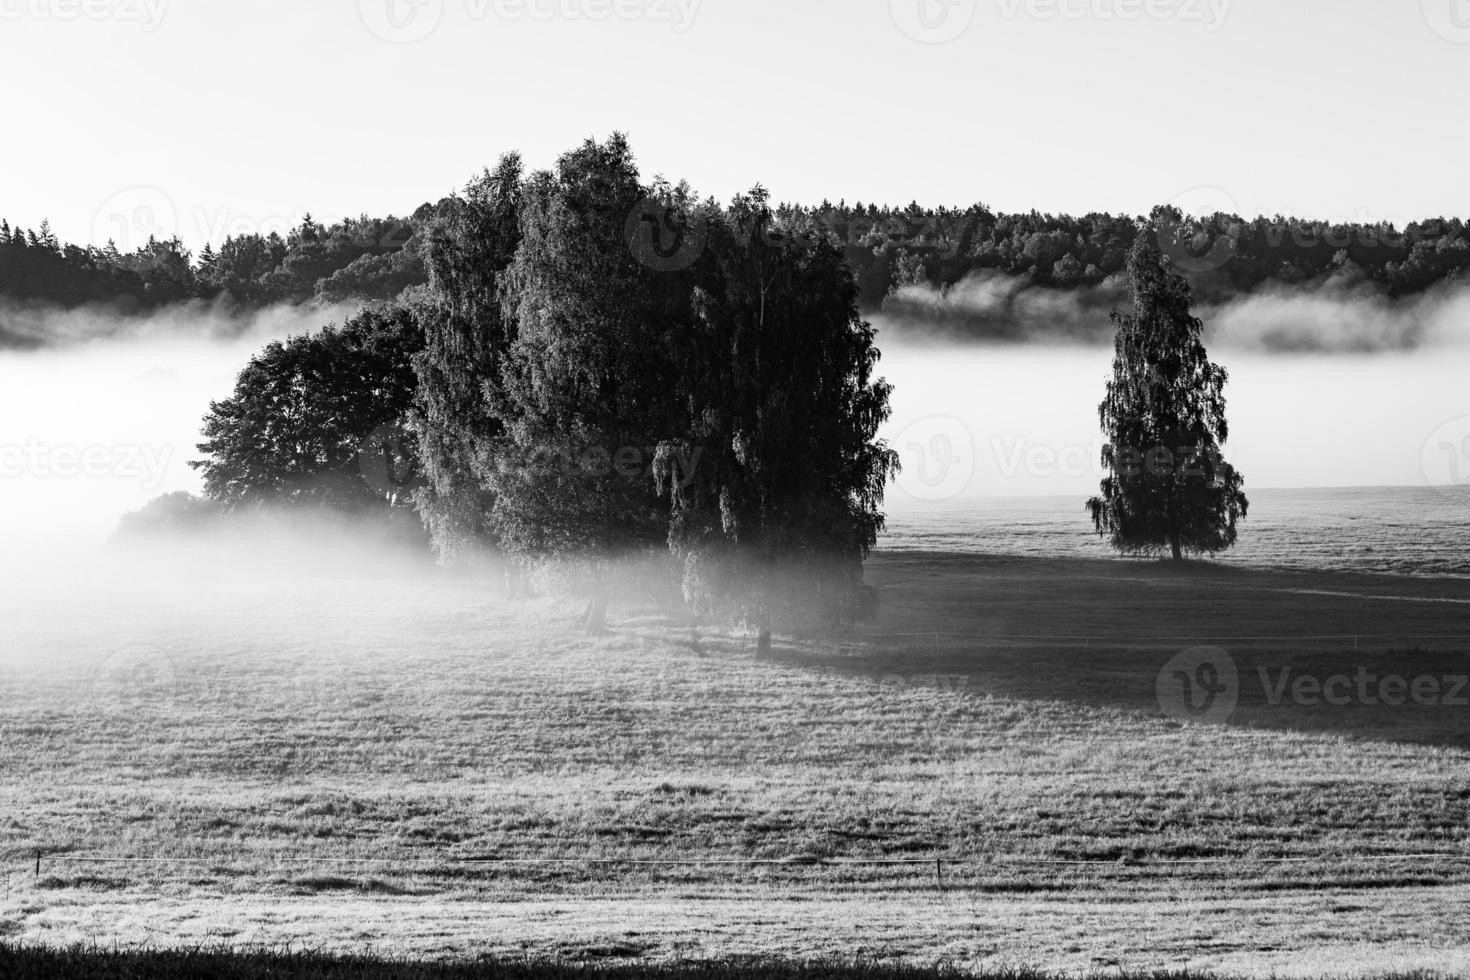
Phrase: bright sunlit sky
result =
(206, 116)
(130, 117)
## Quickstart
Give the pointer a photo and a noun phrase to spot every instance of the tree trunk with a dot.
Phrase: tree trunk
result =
(696, 643)
(595, 618)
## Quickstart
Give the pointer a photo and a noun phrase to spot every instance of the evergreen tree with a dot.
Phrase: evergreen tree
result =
(1167, 488)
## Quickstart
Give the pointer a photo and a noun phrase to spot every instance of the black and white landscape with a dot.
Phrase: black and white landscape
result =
(663, 488)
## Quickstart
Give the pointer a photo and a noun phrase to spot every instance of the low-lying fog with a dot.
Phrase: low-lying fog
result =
(94, 429)
(1021, 421)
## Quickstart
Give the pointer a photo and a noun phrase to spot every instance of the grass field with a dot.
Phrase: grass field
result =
(33, 963)
(411, 766)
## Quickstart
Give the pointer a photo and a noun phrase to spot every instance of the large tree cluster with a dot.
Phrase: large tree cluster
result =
(600, 369)
(624, 369)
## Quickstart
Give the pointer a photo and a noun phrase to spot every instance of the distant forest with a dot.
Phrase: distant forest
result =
(888, 248)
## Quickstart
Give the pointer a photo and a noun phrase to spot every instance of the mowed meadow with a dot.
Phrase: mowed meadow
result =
(401, 762)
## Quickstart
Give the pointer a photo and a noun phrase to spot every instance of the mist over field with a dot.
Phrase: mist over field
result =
(38, 326)
(106, 416)
(1022, 371)
(1337, 315)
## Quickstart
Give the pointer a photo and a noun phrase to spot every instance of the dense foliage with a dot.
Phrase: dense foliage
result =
(626, 370)
(361, 258)
(1167, 488)
(468, 244)
(315, 418)
(777, 487)
(1224, 255)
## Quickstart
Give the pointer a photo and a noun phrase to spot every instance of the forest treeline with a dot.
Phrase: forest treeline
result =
(887, 248)
(361, 258)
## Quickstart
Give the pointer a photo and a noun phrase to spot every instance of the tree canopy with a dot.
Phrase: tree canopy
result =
(468, 243)
(315, 418)
(782, 411)
(646, 373)
(1167, 488)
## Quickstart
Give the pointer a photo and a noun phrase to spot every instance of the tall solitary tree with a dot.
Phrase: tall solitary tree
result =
(1167, 488)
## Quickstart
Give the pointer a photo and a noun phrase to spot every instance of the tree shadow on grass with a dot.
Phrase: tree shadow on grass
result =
(1362, 656)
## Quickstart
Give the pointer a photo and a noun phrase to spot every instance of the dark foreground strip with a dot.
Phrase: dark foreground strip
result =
(40, 963)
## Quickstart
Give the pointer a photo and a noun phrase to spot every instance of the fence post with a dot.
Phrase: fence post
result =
(38, 864)
(939, 873)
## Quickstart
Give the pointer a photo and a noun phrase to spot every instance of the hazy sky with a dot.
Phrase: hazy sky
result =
(206, 116)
